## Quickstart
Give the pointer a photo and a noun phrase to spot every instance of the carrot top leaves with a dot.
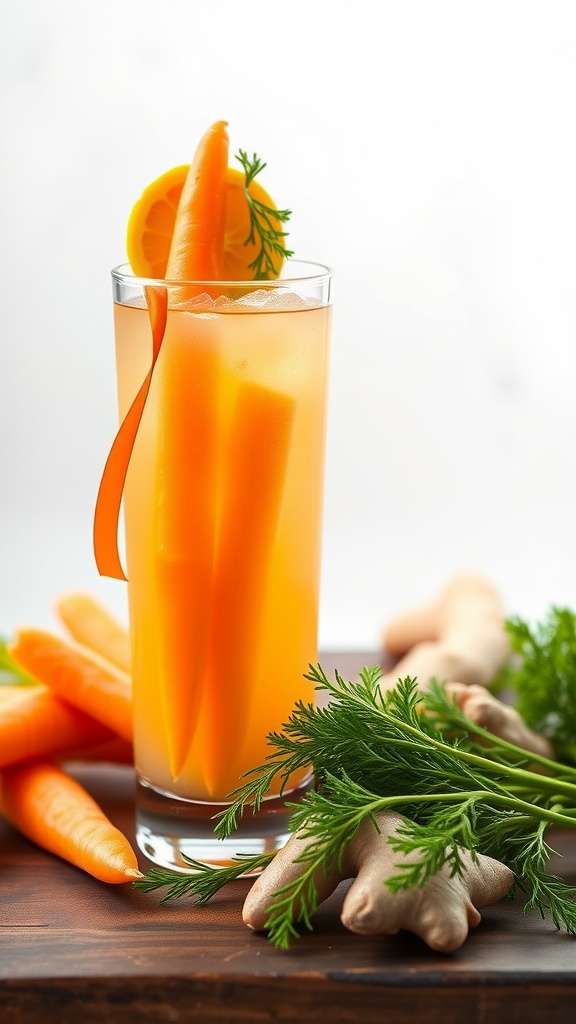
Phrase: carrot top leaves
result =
(542, 677)
(206, 880)
(262, 222)
(10, 673)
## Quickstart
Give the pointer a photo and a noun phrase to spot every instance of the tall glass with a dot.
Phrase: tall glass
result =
(222, 509)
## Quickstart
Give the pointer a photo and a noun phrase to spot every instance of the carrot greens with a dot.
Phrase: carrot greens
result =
(10, 673)
(542, 677)
(206, 880)
(456, 786)
(263, 222)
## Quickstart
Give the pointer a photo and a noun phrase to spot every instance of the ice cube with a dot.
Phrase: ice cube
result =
(273, 299)
(196, 303)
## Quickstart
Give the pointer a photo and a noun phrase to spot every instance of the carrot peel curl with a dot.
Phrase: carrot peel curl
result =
(109, 499)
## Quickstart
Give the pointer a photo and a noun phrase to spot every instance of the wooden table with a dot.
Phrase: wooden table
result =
(75, 951)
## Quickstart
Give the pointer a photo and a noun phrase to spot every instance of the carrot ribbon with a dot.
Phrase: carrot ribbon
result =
(111, 489)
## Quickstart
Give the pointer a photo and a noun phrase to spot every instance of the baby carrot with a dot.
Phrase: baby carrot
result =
(35, 723)
(53, 810)
(77, 676)
(91, 625)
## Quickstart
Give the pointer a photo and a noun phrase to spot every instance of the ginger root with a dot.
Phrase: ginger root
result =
(461, 641)
(440, 913)
(500, 719)
(460, 638)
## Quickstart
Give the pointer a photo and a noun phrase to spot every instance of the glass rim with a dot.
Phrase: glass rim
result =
(319, 272)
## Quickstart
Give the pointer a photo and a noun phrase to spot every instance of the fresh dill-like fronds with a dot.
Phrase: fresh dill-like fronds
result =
(204, 880)
(371, 752)
(447, 716)
(263, 223)
(542, 676)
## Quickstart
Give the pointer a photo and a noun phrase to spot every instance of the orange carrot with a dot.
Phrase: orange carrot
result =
(10, 690)
(197, 247)
(35, 723)
(187, 375)
(260, 435)
(54, 811)
(184, 527)
(111, 489)
(91, 625)
(77, 676)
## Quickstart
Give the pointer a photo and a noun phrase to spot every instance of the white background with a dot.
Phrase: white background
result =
(427, 152)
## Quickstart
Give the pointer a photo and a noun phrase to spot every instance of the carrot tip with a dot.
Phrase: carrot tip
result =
(133, 873)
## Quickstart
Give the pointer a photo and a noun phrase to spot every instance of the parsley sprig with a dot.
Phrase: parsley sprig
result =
(263, 223)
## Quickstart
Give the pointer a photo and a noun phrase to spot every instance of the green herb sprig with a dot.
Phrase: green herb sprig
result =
(371, 752)
(263, 223)
(206, 881)
(542, 677)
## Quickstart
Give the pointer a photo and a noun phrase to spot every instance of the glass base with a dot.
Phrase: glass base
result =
(169, 828)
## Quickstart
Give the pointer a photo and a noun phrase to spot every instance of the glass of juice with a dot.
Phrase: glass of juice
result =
(222, 512)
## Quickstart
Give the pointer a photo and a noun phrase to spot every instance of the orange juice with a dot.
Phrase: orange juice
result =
(223, 524)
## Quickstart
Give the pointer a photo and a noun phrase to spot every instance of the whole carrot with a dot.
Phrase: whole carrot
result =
(35, 723)
(53, 810)
(92, 625)
(78, 676)
(11, 691)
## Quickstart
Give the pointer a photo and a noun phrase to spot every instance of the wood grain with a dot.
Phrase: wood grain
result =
(75, 951)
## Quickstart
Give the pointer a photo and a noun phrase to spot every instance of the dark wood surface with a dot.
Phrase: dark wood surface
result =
(76, 951)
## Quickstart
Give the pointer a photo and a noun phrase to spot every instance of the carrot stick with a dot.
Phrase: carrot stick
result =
(35, 723)
(197, 247)
(91, 625)
(184, 528)
(54, 811)
(77, 676)
(260, 436)
(187, 374)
